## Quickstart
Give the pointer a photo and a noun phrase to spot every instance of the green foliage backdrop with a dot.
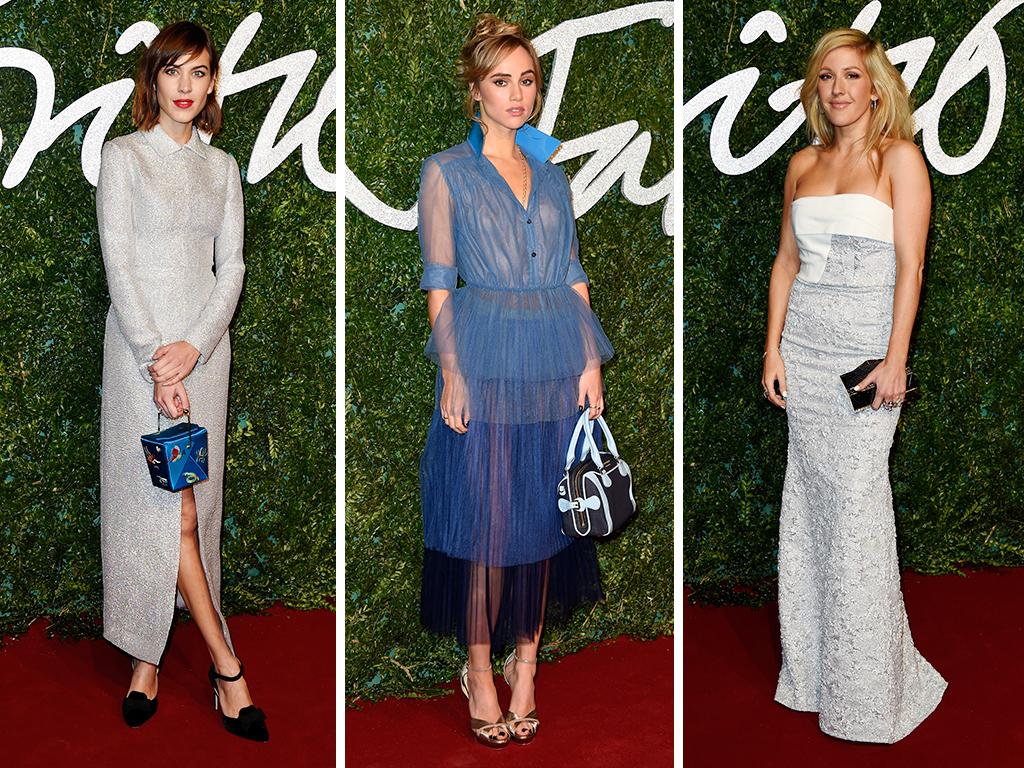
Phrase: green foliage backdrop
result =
(279, 501)
(402, 105)
(956, 465)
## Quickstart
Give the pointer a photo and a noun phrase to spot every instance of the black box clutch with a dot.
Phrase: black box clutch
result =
(863, 398)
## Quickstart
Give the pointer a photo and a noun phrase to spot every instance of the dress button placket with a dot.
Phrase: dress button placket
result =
(531, 244)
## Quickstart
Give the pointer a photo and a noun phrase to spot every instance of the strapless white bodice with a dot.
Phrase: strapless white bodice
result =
(816, 218)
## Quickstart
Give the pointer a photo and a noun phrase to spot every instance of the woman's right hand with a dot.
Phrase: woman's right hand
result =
(454, 401)
(774, 371)
(172, 400)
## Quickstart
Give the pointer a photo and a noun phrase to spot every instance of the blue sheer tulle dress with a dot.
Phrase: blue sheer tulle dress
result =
(517, 337)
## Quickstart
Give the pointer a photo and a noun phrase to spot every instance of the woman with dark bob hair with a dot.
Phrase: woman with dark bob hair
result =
(843, 296)
(171, 221)
(519, 356)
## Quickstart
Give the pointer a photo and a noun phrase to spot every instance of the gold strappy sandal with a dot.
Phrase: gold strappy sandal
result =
(494, 735)
(514, 721)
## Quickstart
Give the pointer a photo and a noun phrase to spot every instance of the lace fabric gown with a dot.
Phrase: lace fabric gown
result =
(847, 651)
(519, 336)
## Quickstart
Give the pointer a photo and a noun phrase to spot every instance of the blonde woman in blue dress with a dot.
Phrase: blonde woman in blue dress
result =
(845, 288)
(519, 355)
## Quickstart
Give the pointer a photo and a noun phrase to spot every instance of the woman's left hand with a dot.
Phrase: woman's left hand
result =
(590, 389)
(890, 380)
(173, 363)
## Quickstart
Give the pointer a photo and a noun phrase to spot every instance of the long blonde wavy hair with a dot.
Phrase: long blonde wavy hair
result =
(893, 118)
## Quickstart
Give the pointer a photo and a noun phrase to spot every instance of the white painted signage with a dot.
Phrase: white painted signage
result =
(980, 52)
(619, 151)
(108, 100)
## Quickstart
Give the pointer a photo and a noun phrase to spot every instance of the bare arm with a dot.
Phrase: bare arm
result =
(784, 269)
(583, 289)
(911, 202)
(435, 300)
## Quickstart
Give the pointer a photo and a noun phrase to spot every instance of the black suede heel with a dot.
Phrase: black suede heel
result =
(251, 722)
(137, 708)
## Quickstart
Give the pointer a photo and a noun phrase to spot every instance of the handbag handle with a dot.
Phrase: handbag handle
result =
(609, 441)
(187, 416)
(570, 453)
(584, 426)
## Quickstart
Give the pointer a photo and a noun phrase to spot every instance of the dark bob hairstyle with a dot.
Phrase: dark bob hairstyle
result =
(182, 38)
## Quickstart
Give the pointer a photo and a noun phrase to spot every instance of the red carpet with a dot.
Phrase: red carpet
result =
(971, 630)
(608, 706)
(60, 702)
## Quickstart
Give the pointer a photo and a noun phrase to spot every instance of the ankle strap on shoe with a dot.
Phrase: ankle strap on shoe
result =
(524, 661)
(478, 669)
(225, 678)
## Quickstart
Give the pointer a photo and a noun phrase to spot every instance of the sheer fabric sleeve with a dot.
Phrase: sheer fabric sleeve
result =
(595, 345)
(209, 328)
(575, 273)
(117, 242)
(436, 213)
(436, 229)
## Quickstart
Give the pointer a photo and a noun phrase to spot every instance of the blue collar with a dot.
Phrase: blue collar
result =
(531, 141)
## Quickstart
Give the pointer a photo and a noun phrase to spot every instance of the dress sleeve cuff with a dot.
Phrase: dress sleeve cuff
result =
(438, 277)
(144, 370)
(576, 274)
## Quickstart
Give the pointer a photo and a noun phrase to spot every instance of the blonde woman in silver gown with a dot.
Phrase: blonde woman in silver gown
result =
(844, 289)
(171, 220)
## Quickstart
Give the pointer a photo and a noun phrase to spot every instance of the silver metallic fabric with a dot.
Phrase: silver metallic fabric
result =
(168, 214)
(847, 649)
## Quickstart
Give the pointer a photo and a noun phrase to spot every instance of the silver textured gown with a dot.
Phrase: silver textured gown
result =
(847, 651)
(168, 214)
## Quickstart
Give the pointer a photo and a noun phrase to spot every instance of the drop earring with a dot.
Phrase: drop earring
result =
(874, 104)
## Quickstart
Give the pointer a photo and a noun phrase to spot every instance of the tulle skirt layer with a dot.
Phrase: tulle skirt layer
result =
(496, 559)
(495, 552)
(500, 605)
(514, 348)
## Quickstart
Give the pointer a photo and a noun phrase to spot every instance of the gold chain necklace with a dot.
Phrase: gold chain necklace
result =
(526, 177)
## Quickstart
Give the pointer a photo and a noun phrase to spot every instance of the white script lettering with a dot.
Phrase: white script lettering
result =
(618, 150)
(108, 100)
(979, 52)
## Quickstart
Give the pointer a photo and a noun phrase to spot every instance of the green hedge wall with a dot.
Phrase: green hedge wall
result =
(956, 465)
(279, 491)
(403, 104)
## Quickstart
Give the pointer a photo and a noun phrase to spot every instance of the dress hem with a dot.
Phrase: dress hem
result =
(901, 733)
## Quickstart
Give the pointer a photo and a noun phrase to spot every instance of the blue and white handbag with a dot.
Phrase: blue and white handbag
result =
(177, 456)
(595, 495)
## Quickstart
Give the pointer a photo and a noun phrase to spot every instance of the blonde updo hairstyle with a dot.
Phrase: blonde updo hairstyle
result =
(893, 118)
(491, 41)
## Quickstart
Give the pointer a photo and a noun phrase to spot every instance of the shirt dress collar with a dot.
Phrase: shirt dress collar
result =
(530, 140)
(165, 145)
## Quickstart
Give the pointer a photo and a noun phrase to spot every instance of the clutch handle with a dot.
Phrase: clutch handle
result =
(190, 425)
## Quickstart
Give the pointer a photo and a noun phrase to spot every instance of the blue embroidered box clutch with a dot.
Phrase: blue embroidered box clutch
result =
(177, 456)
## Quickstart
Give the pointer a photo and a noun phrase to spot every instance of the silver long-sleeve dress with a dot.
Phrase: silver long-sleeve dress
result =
(171, 221)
